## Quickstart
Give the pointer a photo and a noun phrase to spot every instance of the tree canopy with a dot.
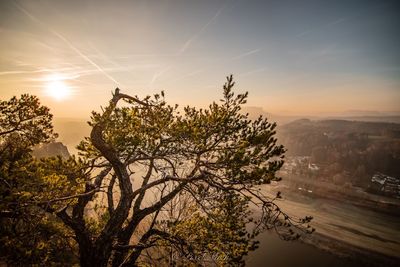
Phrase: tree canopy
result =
(28, 233)
(154, 183)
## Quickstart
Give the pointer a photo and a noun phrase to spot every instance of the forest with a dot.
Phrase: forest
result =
(351, 151)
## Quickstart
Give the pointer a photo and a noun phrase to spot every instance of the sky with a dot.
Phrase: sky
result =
(293, 57)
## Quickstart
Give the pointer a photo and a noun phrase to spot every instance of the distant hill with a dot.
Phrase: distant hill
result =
(71, 130)
(393, 119)
(351, 150)
(255, 112)
(343, 126)
(353, 115)
(368, 113)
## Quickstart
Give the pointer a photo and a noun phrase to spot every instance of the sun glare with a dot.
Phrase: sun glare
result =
(57, 88)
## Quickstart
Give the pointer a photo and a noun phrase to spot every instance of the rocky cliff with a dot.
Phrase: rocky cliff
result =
(51, 150)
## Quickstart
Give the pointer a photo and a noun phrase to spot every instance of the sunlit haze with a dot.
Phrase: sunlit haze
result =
(57, 88)
(294, 57)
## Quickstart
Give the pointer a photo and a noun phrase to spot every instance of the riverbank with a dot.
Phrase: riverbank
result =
(349, 253)
(347, 235)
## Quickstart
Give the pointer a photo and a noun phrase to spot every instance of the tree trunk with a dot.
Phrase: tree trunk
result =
(96, 256)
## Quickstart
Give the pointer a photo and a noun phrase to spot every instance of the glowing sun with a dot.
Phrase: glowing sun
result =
(57, 88)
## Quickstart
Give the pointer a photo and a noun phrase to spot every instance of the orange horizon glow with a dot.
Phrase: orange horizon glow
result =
(73, 55)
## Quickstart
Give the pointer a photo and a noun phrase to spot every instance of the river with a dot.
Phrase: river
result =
(360, 236)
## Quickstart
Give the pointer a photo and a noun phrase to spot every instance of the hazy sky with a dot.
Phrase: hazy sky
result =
(292, 56)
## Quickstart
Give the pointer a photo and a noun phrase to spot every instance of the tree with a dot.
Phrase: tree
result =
(179, 184)
(28, 235)
(23, 124)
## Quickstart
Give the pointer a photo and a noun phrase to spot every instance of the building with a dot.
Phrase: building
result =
(385, 185)
(313, 167)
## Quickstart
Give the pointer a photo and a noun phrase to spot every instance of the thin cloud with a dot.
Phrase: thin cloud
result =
(67, 42)
(18, 72)
(73, 73)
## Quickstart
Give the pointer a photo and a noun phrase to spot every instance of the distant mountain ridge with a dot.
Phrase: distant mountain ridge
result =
(368, 113)
(340, 125)
(72, 130)
(352, 115)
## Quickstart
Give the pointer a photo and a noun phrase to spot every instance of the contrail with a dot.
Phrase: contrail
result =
(187, 44)
(62, 38)
(195, 36)
(158, 74)
(251, 72)
(246, 54)
(105, 57)
(193, 73)
(340, 20)
(84, 56)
